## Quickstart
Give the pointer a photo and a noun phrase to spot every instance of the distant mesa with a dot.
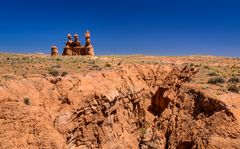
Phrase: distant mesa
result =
(75, 47)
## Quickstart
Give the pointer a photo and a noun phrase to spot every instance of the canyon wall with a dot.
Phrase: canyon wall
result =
(135, 106)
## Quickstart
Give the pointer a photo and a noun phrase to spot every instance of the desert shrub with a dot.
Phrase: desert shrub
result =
(7, 77)
(119, 63)
(56, 66)
(216, 80)
(144, 128)
(191, 64)
(58, 59)
(95, 66)
(233, 88)
(213, 73)
(107, 65)
(64, 74)
(91, 62)
(206, 67)
(234, 80)
(26, 101)
(236, 74)
(53, 72)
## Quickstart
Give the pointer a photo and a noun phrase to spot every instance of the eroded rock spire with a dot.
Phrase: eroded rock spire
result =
(76, 48)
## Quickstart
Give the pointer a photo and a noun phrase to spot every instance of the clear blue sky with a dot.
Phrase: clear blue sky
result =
(152, 27)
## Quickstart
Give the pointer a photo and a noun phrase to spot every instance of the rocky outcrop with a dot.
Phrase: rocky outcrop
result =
(25, 126)
(191, 119)
(88, 47)
(169, 88)
(134, 106)
(54, 51)
(113, 118)
(97, 110)
(75, 47)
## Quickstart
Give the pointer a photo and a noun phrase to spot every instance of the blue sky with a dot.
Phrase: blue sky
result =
(151, 27)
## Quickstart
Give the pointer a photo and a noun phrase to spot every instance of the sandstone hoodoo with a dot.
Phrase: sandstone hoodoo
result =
(88, 47)
(75, 48)
(54, 51)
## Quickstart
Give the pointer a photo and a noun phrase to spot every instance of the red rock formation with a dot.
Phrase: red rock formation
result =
(68, 49)
(75, 47)
(54, 51)
(88, 47)
(169, 86)
(188, 118)
(109, 109)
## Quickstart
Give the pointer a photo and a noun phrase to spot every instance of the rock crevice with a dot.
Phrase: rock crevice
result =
(134, 107)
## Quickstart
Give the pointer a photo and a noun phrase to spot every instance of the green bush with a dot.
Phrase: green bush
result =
(213, 73)
(233, 88)
(206, 67)
(64, 74)
(234, 80)
(216, 80)
(107, 65)
(91, 62)
(58, 59)
(53, 72)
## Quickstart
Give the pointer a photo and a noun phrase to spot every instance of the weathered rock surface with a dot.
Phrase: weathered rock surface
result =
(75, 47)
(191, 119)
(54, 51)
(135, 106)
